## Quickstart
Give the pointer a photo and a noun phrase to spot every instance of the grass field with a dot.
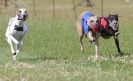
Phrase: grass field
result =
(51, 50)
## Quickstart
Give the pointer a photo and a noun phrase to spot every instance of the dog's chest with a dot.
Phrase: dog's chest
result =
(18, 34)
(17, 30)
(106, 33)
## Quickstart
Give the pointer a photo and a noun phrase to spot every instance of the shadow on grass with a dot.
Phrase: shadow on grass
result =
(41, 58)
(123, 54)
(56, 58)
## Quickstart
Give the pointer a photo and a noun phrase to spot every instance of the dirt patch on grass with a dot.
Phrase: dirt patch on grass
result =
(18, 65)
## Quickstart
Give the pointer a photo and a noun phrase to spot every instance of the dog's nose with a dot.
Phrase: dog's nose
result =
(24, 16)
(115, 22)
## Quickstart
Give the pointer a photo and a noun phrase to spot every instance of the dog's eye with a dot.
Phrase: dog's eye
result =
(91, 21)
(19, 11)
(25, 11)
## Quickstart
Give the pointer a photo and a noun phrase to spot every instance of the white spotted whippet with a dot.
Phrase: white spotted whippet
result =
(16, 30)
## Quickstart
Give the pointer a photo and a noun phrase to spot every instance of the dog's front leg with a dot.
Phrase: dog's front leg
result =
(94, 38)
(14, 39)
(97, 46)
(91, 37)
(18, 49)
(117, 44)
(11, 45)
(96, 49)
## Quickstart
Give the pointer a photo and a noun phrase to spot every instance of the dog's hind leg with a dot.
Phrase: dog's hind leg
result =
(80, 33)
(18, 47)
(81, 43)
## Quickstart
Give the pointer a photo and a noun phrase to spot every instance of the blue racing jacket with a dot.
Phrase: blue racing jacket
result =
(84, 24)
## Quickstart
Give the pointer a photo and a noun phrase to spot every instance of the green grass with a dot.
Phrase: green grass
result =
(51, 50)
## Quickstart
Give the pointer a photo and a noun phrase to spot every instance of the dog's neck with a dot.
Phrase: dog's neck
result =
(19, 23)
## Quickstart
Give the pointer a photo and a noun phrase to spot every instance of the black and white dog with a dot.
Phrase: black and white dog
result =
(108, 27)
(16, 30)
(91, 27)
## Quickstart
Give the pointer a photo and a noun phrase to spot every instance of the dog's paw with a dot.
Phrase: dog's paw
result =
(14, 53)
(14, 56)
(93, 58)
(121, 53)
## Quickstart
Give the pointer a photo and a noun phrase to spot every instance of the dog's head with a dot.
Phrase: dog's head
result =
(22, 14)
(92, 22)
(113, 22)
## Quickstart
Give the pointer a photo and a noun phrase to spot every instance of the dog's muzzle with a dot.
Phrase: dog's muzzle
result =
(94, 27)
(24, 17)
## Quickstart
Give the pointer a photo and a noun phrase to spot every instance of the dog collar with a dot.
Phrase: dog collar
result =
(18, 28)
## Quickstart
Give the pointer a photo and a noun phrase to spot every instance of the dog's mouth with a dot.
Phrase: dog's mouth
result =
(24, 17)
(94, 27)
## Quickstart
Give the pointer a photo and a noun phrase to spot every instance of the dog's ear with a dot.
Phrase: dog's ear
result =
(89, 20)
(97, 16)
(18, 12)
(109, 14)
(117, 15)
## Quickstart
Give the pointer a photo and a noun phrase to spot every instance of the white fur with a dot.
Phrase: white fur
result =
(14, 37)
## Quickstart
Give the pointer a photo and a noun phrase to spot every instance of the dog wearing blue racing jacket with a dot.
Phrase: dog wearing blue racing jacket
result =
(87, 26)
